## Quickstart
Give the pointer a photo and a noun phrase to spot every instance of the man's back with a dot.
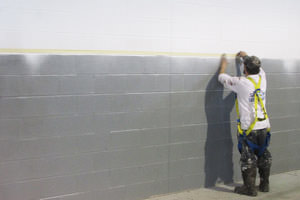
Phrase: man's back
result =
(244, 89)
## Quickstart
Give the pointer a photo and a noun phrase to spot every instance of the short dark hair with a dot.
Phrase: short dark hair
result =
(252, 64)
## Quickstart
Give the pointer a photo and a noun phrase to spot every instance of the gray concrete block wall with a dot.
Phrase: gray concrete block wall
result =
(128, 127)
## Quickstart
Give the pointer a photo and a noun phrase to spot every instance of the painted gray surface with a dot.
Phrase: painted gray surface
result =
(128, 127)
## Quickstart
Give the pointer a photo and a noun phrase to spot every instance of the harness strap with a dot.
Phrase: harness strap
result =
(253, 147)
(244, 133)
(257, 99)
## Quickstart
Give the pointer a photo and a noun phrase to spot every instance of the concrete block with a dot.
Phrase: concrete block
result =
(66, 165)
(293, 136)
(119, 103)
(30, 148)
(83, 84)
(155, 101)
(155, 172)
(92, 64)
(111, 84)
(138, 156)
(178, 99)
(178, 116)
(127, 158)
(145, 189)
(150, 120)
(57, 65)
(272, 65)
(160, 187)
(8, 172)
(125, 176)
(156, 64)
(14, 65)
(103, 122)
(119, 121)
(135, 84)
(29, 190)
(161, 154)
(194, 133)
(135, 102)
(10, 128)
(186, 167)
(148, 83)
(138, 191)
(284, 123)
(92, 142)
(283, 80)
(116, 193)
(187, 99)
(78, 196)
(87, 104)
(100, 84)
(161, 118)
(10, 86)
(11, 107)
(116, 65)
(209, 65)
(29, 169)
(58, 146)
(181, 65)
(276, 95)
(194, 115)
(150, 137)
(51, 126)
(177, 82)
(198, 82)
(279, 166)
(67, 125)
(57, 186)
(39, 85)
(99, 180)
(186, 182)
(9, 191)
(186, 151)
(101, 161)
(9, 150)
(128, 65)
(124, 139)
(139, 120)
(65, 105)
(284, 109)
(33, 127)
(42, 106)
(162, 83)
(39, 106)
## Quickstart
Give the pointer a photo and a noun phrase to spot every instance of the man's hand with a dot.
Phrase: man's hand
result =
(223, 65)
(241, 54)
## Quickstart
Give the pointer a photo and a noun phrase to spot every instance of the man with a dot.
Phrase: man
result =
(253, 122)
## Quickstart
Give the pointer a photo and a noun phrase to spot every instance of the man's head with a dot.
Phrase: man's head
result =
(251, 65)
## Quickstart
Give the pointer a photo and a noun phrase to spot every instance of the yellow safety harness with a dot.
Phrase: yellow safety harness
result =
(244, 133)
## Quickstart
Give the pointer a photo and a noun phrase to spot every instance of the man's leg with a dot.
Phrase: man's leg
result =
(264, 166)
(264, 163)
(248, 167)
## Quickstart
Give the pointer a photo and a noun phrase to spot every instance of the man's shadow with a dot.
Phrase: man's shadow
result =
(219, 145)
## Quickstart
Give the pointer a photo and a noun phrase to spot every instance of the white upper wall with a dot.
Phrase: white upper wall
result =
(267, 28)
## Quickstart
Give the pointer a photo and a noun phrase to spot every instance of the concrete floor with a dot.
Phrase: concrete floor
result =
(283, 186)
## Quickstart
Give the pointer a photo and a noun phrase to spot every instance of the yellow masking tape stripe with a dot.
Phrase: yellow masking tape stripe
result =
(120, 52)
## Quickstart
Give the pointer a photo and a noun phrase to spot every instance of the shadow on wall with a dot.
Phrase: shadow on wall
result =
(219, 145)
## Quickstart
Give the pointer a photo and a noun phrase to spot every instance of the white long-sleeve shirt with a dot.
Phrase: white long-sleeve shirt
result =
(244, 89)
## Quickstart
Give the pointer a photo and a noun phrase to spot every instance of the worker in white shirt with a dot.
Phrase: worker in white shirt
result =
(253, 122)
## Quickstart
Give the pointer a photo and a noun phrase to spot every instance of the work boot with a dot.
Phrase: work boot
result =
(248, 188)
(264, 174)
